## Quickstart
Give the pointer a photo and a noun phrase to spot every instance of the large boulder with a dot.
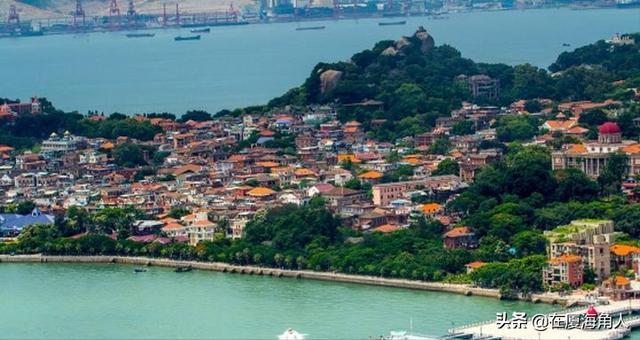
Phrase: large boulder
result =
(329, 80)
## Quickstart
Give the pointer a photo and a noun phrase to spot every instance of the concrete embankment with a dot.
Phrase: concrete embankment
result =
(298, 274)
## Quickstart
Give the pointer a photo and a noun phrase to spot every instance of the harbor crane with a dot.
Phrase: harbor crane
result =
(79, 13)
(14, 17)
(114, 13)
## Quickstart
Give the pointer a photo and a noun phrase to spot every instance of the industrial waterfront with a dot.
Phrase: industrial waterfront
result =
(245, 65)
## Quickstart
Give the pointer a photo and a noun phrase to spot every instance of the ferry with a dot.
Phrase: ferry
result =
(392, 23)
(141, 35)
(201, 30)
(291, 334)
(181, 38)
(309, 28)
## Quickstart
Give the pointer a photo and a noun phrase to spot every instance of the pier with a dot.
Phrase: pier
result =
(491, 329)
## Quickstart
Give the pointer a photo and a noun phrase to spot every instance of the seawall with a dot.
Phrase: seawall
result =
(298, 274)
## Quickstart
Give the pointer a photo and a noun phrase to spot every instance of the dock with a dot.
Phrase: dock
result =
(616, 309)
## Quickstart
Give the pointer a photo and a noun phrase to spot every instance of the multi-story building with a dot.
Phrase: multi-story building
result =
(481, 85)
(589, 239)
(565, 269)
(383, 194)
(591, 157)
(57, 145)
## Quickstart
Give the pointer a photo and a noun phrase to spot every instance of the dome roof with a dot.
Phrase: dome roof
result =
(609, 128)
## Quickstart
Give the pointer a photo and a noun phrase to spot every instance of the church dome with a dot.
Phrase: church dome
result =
(609, 128)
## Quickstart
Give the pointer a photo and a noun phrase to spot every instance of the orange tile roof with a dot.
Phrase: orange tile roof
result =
(386, 228)
(348, 156)
(202, 223)
(260, 192)
(633, 148)
(430, 208)
(577, 148)
(371, 175)
(475, 264)
(303, 172)
(458, 231)
(173, 226)
(577, 130)
(267, 164)
(411, 160)
(107, 145)
(623, 250)
(621, 280)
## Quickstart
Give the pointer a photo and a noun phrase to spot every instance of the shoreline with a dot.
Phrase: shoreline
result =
(284, 20)
(462, 289)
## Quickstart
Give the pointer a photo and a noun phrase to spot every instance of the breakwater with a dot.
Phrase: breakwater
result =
(463, 289)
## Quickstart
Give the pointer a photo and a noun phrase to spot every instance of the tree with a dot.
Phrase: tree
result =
(196, 115)
(447, 167)
(515, 128)
(529, 242)
(131, 155)
(25, 207)
(465, 127)
(533, 106)
(573, 184)
(594, 117)
(530, 82)
(615, 169)
(440, 146)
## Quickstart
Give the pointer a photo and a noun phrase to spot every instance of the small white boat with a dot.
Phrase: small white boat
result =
(291, 334)
(403, 335)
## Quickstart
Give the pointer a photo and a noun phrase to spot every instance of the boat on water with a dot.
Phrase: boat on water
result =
(392, 23)
(182, 38)
(201, 30)
(183, 269)
(141, 35)
(404, 335)
(566, 44)
(291, 334)
(140, 270)
(310, 28)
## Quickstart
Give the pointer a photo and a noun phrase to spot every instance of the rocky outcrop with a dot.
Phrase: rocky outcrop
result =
(425, 38)
(329, 80)
(389, 51)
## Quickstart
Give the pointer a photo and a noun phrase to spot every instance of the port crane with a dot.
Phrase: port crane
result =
(114, 13)
(78, 13)
(14, 17)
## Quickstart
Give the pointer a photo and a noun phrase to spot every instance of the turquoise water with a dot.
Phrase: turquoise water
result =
(238, 66)
(61, 301)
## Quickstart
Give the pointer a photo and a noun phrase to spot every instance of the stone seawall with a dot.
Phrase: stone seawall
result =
(298, 274)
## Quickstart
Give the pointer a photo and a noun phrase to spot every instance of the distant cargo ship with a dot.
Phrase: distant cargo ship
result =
(141, 35)
(181, 38)
(392, 23)
(201, 30)
(309, 28)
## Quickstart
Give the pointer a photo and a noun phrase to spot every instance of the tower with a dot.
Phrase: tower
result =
(79, 13)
